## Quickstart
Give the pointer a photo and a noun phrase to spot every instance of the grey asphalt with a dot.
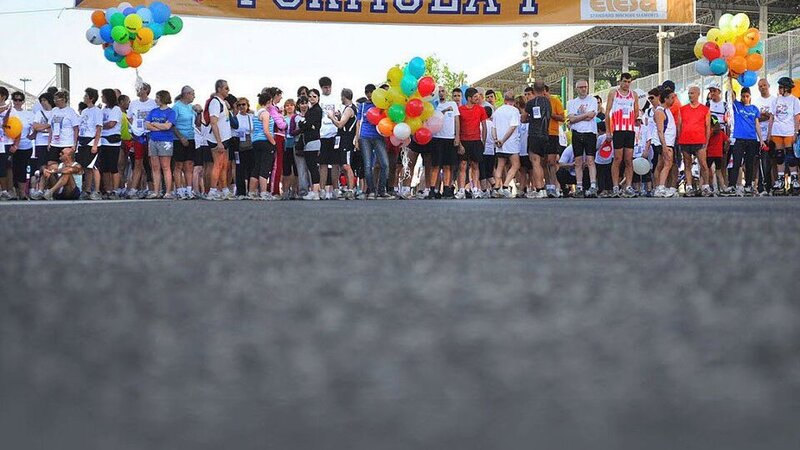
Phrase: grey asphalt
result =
(486, 325)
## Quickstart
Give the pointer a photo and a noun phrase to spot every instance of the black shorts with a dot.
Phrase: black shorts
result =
(711, 160)
(181, 153)
(328, 154)
(108, 161)
(202, 155)
(75, 194)
(232, 145)
(421, 149)
(525, 162)
(555, 147)
(85, 156)
(289, 167)
(40, 154)
(473, 151)
(691, 149)
(54, 154)
(444, 152)
(624, 139)
(584, 144)
(486, 169)
(657, 149)
(537, 145)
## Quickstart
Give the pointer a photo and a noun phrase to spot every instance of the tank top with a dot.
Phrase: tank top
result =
(670, 130)
(623, 113)
(348, 132)
(258, 125)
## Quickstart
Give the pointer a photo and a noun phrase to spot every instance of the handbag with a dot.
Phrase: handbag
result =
(247, 143)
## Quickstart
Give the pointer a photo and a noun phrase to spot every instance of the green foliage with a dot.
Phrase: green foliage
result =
(443, 74)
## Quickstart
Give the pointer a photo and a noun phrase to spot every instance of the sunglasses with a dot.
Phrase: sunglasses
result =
(19, 99)
(651, 97)
(242, 104)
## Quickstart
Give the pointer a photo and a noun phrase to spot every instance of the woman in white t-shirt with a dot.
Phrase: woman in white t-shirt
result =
(64, 126)
(22, 147)
(41, 136)
(110, 145)
(246, 161)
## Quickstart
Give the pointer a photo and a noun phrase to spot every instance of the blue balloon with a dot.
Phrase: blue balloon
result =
(408, 84)
(146, 15)
(158, 30)
(110, 12)
(463, 89)
(105, 33)
(129, 11)
(111, 55)
(416, 67)
(719, 66)
(161, 12)
(748, 78)
(703, 67)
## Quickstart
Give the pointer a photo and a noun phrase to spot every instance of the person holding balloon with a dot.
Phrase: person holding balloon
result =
(372, 145)
(783, 128)
(747, 133)
(64, 126)
(22, 147)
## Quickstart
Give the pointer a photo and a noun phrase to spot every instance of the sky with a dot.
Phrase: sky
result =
(243, 52)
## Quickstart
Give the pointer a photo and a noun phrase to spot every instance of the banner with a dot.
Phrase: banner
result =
(444, 12)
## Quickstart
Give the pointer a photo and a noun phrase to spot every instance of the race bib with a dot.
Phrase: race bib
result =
(337, 142)
(56, 128)
(537, 112)
(236, 157)
(626, 110)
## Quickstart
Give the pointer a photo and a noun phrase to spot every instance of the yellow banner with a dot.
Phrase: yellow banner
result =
(449, 12)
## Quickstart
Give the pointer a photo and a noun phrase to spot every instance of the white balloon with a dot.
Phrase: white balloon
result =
(641, 166)
(124, 5)
(402, 131)
(93, 36)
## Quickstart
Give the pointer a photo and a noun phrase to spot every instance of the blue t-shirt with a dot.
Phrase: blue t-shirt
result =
(368, 130)
(184, 119)
(258, 126)
(159, 115)
(744, 120)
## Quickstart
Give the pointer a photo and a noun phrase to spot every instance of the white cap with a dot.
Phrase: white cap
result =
(714, 85)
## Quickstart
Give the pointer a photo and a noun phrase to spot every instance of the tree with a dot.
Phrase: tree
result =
(443, 74)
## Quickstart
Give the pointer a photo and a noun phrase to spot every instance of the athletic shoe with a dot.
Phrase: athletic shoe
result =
(37, 195)
(591, 192)
(48, 195)
(795, 186)
(506, 193)
(688, 192)
(361, 196)
(614, 192)
(84, 195)
(551, 193)
(169, 196)
(431, 195)
(672, 192)
(253, 195)
(477, 194)
(660, 192)
(372, 196)
(422, 195)
(763, 194)
(467, 194)
(95, 196)
(113, 196)
(748, 191)
(141, 195)
(312, 196)
(729, 191)
(230, 196)
(153, 196)
(706, 192)
(460, 195)
(579, 193)
(349, 195)
(629, 192)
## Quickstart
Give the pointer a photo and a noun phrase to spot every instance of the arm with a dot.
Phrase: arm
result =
(457, 140)
(280, 122)
(483, 131)
(660, 117)
(609, 106)
(758, 131)
(558, 116)
(75, 130)
(97, 134)
(508, 134)
(346, 115)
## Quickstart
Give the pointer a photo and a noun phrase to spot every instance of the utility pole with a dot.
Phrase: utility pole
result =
(531, 46)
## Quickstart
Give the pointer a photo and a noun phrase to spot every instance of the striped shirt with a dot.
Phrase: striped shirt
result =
(258, 126)
(623, 112)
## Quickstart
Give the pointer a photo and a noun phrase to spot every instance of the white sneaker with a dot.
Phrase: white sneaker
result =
(477, 194)
(214, 195)
(671, 192)
(48, 195)
(422, 194)
(311, 196)
(169, 196)
(506, 193)
(460, 195)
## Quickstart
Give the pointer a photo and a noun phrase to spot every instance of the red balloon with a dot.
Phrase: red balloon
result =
(375, 114)
(426, 86)
(414, 107)
(711, 51)
(423, 136)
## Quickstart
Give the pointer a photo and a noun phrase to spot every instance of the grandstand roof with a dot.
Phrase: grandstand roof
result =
(601, 46)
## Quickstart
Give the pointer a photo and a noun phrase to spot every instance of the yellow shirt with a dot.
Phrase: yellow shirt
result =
(556, 108)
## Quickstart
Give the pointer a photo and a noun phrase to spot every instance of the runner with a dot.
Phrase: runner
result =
(524, 172)
(582, 112)
(783, 127)
(280, 140)
(137, 113)
(219, 139)
(110, 145)
(160, 122)
(329, 155)
(183, 144)
(539, 113)
(764, 102)
(346, 123)
(264, 149)
(65, 178)
(747, 132)
(489, 161)
(445, 143)
(89, 134)
(666, 130)
(472, 133)
(289, 173)
(693, 138)
(245, 162)
(310, 124)
(623, 109)
(554, 149)
(506, 123)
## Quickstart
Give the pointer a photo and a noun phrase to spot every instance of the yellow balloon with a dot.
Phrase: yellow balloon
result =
(396, 95)
(698, 49)
(714, 35)
(394, 75)
(381, 98)
(427, 111)
(415, 123)
(141, 48)
(740, 23)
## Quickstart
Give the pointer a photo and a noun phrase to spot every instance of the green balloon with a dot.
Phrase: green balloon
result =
(120, 34)
(122, 64)
(174, 25)
(397, 113)
(117, 20)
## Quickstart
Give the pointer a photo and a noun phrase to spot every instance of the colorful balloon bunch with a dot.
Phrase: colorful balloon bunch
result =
(127, 32)
(734, 47)
(405, 110)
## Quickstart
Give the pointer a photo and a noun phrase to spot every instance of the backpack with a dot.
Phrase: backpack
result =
(207, 117)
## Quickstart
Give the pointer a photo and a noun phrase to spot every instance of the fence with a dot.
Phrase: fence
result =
(782, 60)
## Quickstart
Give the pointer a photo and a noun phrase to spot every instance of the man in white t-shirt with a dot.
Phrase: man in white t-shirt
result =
(137, 113)
(219, 140)
(506, 121)
(446, 141)
(764, 103)
(783, 127)
(581, 112)
(331, 152)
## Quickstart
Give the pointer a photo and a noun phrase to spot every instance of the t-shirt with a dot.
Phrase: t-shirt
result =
(568, 155)
(693, 125)
(522, 135)
(246, 126)
(42, 117)
(765, 106)
(62, 126)
(112, 115)
(785, 109)
(368, 130)
(450, 111)
(161, 116)
(745, 116)
(217, 108)
(538, 109)
(328, 103)
(556, 107)
(578, 106)
(605, 153)
(504, 118)
(715, 144)
(488, 147)
(26, 117)
(184, 119)
(471, 118)
(200, 136)
(91, 118)
(137, 114)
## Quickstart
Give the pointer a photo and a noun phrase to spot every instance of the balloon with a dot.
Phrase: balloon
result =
(426, 86)
(796, 89)
(129, 11)
(122, 49)
(414, 107)
(124, 5)
(380, 98)
(145, 36)
(698, 47)
(702, 67)
(402, 131)
(711, 51)
(641, 166)
(117, 20)
(93, 36)
(141, 48)
(158, 30)
(122, 64)
(435, 122)
(110, 12)
(718, 66)
(427, 110)
(416, 67)
(740, 23)
(408, 85)
(713, 35)
(13, 127)
(741, 49)
(396, 95)
(725, 21)
(105, 33)
(423, 136)
(120, 34)
(754, 61)
(414, 123)
(374, 115)
(727, 50)
(737, 64)
(99, 18)
(174, 25)
(751, 37)
(161, 12)
(758, 48)
(146, 15)
(397, 113)
(133, 23)
(396, 142)
(134, 60)
(385, 127)
(111, 55)
(394, 75)
(748, 78)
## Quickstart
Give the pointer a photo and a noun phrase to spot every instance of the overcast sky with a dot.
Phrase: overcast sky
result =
(236, 50)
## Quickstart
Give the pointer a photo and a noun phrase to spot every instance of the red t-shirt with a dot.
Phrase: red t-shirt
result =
(715, 143)
(693, 124)
(471, 119)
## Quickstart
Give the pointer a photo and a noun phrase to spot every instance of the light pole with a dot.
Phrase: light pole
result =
(531, 46)
(25, 90)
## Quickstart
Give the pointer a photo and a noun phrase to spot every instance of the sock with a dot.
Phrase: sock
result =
(594, 184)
(579, 186)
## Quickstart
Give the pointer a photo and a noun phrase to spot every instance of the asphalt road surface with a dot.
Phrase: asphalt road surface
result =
(385, 325)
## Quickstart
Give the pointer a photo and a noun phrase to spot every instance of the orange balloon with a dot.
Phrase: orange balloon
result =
(737, 64)
(99, 18)
(386, 127)
(796, 90)
(751, 37)
(741, 49)
(754, 61)
(133, 59)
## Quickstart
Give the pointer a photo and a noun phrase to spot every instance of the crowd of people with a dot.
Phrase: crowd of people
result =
(319, 146)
